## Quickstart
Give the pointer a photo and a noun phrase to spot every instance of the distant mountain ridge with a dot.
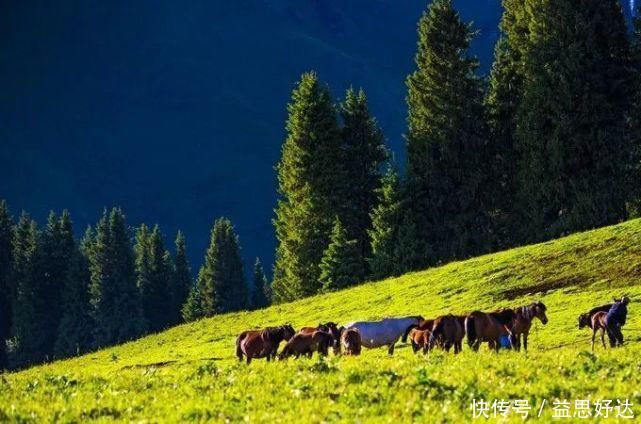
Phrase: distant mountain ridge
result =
(176, 111)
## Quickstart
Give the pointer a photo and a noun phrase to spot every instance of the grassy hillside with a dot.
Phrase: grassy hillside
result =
(190, 373)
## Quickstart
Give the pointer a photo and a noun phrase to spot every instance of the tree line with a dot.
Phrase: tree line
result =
(546, 145)
(60, 296)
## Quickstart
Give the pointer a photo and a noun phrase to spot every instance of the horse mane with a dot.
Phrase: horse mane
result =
(504, 316)
(540, 305)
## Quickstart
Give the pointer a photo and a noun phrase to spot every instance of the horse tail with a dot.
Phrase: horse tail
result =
(239, 350)
(470, 330)
(436, 331)
(407, 332)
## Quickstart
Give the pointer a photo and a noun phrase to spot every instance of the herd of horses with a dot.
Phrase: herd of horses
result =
(507, 327)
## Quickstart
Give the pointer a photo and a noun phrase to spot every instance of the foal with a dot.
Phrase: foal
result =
(598, 321)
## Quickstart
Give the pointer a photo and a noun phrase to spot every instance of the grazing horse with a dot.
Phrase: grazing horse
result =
(419, 339)
(448, 331)
(351, 341)
(262, 343)
(488, 327)
(329, 327)
(306, 343)
(385, 332)
(598, 321)
(524, 315)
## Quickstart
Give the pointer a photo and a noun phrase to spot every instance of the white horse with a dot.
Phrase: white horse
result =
(385, 332)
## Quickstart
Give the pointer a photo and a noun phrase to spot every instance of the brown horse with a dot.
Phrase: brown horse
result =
(262, 343)
(488, 327)
(598, 321)
(329, 327)
(306, 343)
(419, 338)
(524, 315)
(448, 331)
(419, 334)
(351, 341)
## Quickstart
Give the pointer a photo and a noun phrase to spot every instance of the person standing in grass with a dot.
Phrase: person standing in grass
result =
(616, 317)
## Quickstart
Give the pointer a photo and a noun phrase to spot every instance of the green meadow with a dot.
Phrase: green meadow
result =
(190, 373)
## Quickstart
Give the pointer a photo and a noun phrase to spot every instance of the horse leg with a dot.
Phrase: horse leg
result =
(390, 351)
(525, 336)
(603, 338)
(593, 336)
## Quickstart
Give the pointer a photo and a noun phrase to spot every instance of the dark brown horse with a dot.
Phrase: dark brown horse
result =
(306, 343)
(448, 331)
(488, 327)
(351, 341)
(329, 327)
(254, 344)
(524, 315)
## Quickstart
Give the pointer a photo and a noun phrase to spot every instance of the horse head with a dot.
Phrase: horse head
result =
(584, 320)
(287, 331)
(539, 311)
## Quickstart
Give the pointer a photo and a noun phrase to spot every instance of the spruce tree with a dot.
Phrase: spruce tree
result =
(571, 124)
(311, 184)
(75, 331)
(445, 143)
(341, 265)
(154, 278)
(29, 326)
(221, 283)
(58, 247)
(386, 220)
(261, 290)
(634, 118)
(7, 288)
(364, 153)
(114, 296)
(192, 309)
(182, 279)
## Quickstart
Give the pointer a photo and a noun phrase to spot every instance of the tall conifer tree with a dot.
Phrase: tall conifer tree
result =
(29, 327)
(571, 126)
(182, 279)
(342, 265)
(261, 290)
(115, 298)
(445, 143)
(386, 221)
(75, 331)
(364, 153)
(7, 289)
(221, 283)
(311, 184)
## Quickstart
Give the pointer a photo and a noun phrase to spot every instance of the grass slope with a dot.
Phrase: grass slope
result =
(190, 373)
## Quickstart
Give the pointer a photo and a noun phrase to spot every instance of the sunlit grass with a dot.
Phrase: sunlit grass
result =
(190, 372)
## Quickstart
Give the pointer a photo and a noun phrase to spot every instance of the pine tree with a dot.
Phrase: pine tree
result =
(153, 269)
(364, 153)
(75, 330)
(311, 184)
(29, 326)
(182, 280)
(261, 295)
(409, 250)
(504, 96)
(7, 289)
(341, 265)
(445, 143)
(58, 246)
(571, 128)
(221, 283)
(634, 118)
(386, 220)
(192, 309)
(114, 296)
